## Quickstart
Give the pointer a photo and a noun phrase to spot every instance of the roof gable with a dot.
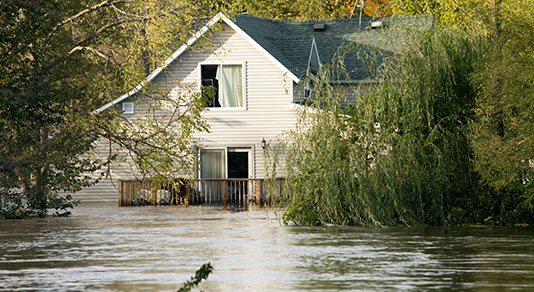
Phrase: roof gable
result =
(220, 16)
(286, 43)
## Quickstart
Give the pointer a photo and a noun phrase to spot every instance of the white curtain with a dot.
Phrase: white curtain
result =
(230, 85)
(212, 164)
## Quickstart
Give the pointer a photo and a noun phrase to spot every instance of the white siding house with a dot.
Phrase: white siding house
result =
(257, 61)
(266, 112)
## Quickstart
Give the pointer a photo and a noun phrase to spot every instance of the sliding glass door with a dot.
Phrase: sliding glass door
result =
(228, 162)
(224, 163)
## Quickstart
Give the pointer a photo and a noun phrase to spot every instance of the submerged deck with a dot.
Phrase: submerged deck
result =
(228, 193)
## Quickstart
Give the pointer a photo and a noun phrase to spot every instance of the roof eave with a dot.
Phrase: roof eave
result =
(167, 62)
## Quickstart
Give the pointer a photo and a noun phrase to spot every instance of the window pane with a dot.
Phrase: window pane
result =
(210, 85)
(237, 164)
(231, 92)
(212, 164)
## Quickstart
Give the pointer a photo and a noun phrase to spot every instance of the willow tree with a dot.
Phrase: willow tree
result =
(399, 155)
(61, 60)
(502, 132)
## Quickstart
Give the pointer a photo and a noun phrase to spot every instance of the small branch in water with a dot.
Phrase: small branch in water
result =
(200, 274)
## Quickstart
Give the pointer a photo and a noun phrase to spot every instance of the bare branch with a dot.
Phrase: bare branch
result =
(80, 14)
(86, 40)
(126, 13)
(90, 49)
(4, 56)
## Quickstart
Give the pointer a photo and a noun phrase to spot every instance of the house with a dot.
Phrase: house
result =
(257, 66)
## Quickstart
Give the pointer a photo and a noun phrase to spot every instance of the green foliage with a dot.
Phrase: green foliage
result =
(200, 274)
(504, 130)
(61, 60)
(455, 140)
(298, 9)
(469, 15)
(400, 154)
(12, 206)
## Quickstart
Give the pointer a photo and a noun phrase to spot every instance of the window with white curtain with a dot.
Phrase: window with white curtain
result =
(212, 163)
(222, 85)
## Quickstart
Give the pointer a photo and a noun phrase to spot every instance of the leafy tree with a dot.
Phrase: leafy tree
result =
(61, 60)
(372, 8)
(503, 133)
(400, 154)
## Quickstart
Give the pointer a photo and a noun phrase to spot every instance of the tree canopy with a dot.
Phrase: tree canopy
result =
(312, 9)
(62, 60)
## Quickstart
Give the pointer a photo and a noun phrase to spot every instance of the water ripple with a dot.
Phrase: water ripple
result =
(106, 248)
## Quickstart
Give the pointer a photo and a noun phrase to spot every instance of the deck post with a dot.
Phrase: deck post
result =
(125, 194)
(258, 193)
(225, 194)
(120, 193)
(153, 193)
(186, 198)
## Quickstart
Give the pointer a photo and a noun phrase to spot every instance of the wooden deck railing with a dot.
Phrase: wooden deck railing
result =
(233, 193)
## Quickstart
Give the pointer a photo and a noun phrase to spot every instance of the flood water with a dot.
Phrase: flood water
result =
(105, 248)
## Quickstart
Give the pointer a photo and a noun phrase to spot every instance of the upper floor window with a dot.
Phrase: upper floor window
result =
(222, 85)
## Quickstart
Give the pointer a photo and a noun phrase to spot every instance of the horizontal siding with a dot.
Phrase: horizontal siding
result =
(107, 188)
(268, 105)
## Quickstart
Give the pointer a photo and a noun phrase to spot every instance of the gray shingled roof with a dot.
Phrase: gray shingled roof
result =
(290, 41)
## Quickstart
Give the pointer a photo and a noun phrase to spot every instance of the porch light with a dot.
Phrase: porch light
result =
(263, 143)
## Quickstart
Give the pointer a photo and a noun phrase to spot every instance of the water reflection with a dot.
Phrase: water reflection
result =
(155, 249)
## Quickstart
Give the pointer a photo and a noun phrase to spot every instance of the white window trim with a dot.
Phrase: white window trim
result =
(244, 80)
(130, 103)
(213, 148)
(249, 149)
(313, 46)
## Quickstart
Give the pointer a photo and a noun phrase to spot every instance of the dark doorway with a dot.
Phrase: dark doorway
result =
(237, 164)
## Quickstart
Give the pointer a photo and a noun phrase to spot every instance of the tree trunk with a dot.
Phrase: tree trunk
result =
(144, 52)
(495, 79)
(40, 193)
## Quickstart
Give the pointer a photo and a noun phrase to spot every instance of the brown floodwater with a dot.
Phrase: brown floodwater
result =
(105, 248)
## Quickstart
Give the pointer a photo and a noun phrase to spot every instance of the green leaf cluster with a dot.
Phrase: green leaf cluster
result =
(399, 154)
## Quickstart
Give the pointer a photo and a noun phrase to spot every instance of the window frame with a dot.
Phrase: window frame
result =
(243, 80)
(238, 148)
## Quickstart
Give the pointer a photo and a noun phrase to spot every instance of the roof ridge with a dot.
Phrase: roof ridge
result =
(302, 37)
(256, 17)
(356, 19)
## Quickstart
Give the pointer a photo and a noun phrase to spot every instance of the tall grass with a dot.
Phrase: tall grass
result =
(398, 154)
